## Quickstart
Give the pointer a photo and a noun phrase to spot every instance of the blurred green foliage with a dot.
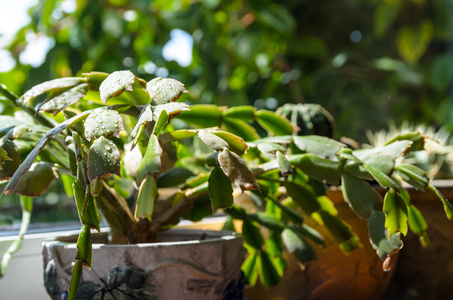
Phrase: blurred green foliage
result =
(369, 62)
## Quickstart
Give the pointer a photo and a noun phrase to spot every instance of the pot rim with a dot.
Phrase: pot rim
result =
(207, 236)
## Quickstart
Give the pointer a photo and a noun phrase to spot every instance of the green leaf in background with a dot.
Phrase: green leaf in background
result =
(64, 100)
(245, 113)
(252, 234)
(103, 122)
(235, 168)
(309, 232)
(151, 161)
(413, 42)
(240, 128)
(250, 268)
(267, 269)
(269, 221)
(203, 115)
(277, 17)
(413, 175)
(341, 232)
(396, 213)
(274, 123)
(360, 196)
(165, 90)
(147, 194)
(115, 84)
(220, 189)
(319, 168)
(384, 16)
(318, 145)
(379, 237)
(49, 86)
(103, 159)
(298, 246)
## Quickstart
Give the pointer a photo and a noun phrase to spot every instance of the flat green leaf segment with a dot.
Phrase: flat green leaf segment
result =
(147, 195)
(165, 90)
(220, 189)
(379, 237)
(360, 196)
(103, 159)
(103, 122)
(48, 86)
(115, 84)
(61, 102)
(297, 245)
(318, 145)
(151, 161)
(396, 213)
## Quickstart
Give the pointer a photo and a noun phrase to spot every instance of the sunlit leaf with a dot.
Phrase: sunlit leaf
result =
(165, 90)
(48, 86)
(103, 122)
(115, 84)
(66, 99)
(395, 213)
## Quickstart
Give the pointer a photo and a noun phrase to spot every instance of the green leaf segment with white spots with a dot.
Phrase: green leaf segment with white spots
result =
(145, 158)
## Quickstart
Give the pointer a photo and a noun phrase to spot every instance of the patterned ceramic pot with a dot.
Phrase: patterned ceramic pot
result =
(184, 264)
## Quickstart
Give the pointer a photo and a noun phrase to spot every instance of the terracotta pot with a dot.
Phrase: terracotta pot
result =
(426, 273)
(184, 264)
(334, 275)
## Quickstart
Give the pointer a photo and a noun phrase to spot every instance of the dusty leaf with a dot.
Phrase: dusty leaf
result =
(165, 90)
(235, 168)
(103, 122)
(115, 84)
(103, 159)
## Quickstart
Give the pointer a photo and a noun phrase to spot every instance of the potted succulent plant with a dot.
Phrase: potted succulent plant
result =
(127, 147)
